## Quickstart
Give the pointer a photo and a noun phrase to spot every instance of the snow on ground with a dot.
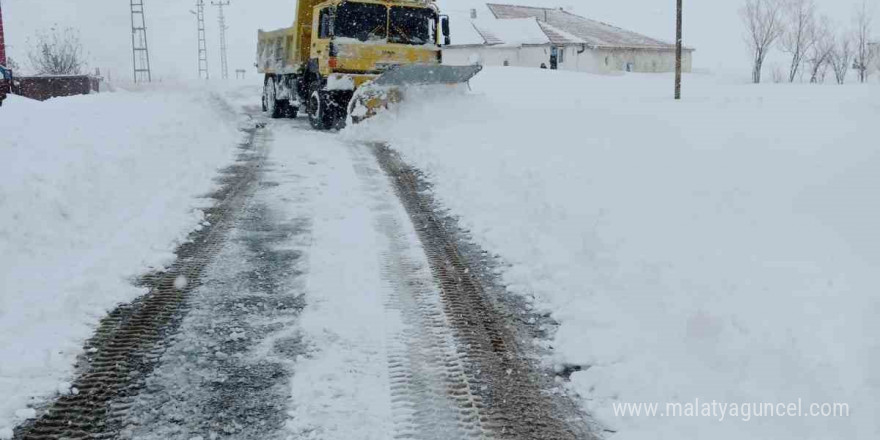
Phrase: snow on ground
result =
(722, 248)
(367, 284)
(94, 190)
(341, 389)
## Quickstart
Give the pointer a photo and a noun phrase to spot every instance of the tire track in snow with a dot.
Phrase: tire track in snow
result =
(130, 341)
(432, 397)
(515, 403)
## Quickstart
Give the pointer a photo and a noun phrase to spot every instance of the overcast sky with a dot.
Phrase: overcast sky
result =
(711, 26)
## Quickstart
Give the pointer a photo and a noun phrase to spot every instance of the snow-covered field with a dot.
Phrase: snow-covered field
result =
(723, 248)
(94, 190)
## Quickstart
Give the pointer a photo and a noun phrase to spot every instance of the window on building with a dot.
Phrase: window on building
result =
(561, 55)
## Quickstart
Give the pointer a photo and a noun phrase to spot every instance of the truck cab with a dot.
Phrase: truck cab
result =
(366, 37)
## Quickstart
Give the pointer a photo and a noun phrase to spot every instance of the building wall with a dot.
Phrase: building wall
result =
(591, 60)
(496, 56)
(42, 88)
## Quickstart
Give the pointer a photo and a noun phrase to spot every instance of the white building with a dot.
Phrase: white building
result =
(526, 36)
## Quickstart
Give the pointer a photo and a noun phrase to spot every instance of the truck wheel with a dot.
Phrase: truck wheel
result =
(269, 99)
(340, 102)
(319, 115)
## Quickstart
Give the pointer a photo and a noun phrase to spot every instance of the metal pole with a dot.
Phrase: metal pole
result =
(134, 63)
(224, 66)
(203, 45)
(140, 51)
(678, 38)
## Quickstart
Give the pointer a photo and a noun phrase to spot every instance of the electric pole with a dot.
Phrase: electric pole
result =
(203, 45)
(678, 38)
(140, 54)
(224, 67)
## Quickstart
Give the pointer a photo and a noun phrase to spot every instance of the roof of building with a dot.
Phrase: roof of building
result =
(513, 32)
(559, 36)
(563, 26)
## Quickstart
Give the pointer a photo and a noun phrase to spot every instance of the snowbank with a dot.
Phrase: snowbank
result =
(94, 190)
(722, 248)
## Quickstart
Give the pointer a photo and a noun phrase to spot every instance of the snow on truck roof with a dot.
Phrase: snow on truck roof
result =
(524, 25)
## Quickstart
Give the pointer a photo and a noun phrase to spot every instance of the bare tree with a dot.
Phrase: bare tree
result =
(12, 64)
(819, 55)
(57, 52)
(864, 53)
(798, 36)
(763, 20)
(841, 57)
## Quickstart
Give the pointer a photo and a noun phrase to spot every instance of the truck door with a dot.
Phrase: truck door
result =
(323, 32)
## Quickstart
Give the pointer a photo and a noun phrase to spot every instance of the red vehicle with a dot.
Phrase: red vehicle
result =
(5, 83)
(5, 74)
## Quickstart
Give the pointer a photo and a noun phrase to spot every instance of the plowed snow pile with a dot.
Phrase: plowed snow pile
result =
(724, 248)
(94, 190)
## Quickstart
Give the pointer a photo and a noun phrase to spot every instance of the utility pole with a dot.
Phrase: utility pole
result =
(140, 53)
(203, 45)
(678, 38)
(224, 67)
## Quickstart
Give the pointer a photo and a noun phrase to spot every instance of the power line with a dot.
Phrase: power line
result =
(140, 53)
(203, 45)
(224, 68)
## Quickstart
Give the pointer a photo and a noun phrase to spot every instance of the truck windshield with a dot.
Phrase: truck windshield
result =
(363, 21)
(412, 26)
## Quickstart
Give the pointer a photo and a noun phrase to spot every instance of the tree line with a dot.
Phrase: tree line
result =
(813, 44)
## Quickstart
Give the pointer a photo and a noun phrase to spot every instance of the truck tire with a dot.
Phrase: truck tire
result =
(292, 112)
(320, 116)
(270, 103)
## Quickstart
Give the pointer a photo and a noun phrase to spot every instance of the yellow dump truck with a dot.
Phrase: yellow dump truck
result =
(339, 47)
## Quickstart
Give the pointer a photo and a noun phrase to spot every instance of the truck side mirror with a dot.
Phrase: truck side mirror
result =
(444, 26)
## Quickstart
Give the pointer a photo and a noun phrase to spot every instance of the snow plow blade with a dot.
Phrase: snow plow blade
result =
(389, 88)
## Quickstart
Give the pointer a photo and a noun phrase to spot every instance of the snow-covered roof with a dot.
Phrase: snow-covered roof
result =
(559, 36)
(463, 31)
(491, 31)
(566, 26)
(514, 32)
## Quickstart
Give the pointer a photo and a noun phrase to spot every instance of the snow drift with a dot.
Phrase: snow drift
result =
(94, 190)
(722, 248)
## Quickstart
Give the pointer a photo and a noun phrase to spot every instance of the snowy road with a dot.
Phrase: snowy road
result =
(324, 313)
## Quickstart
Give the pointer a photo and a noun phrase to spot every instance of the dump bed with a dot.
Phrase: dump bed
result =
(286, 50)
(276, 51)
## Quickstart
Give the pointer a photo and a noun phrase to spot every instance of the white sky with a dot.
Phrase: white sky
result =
(711, 26)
